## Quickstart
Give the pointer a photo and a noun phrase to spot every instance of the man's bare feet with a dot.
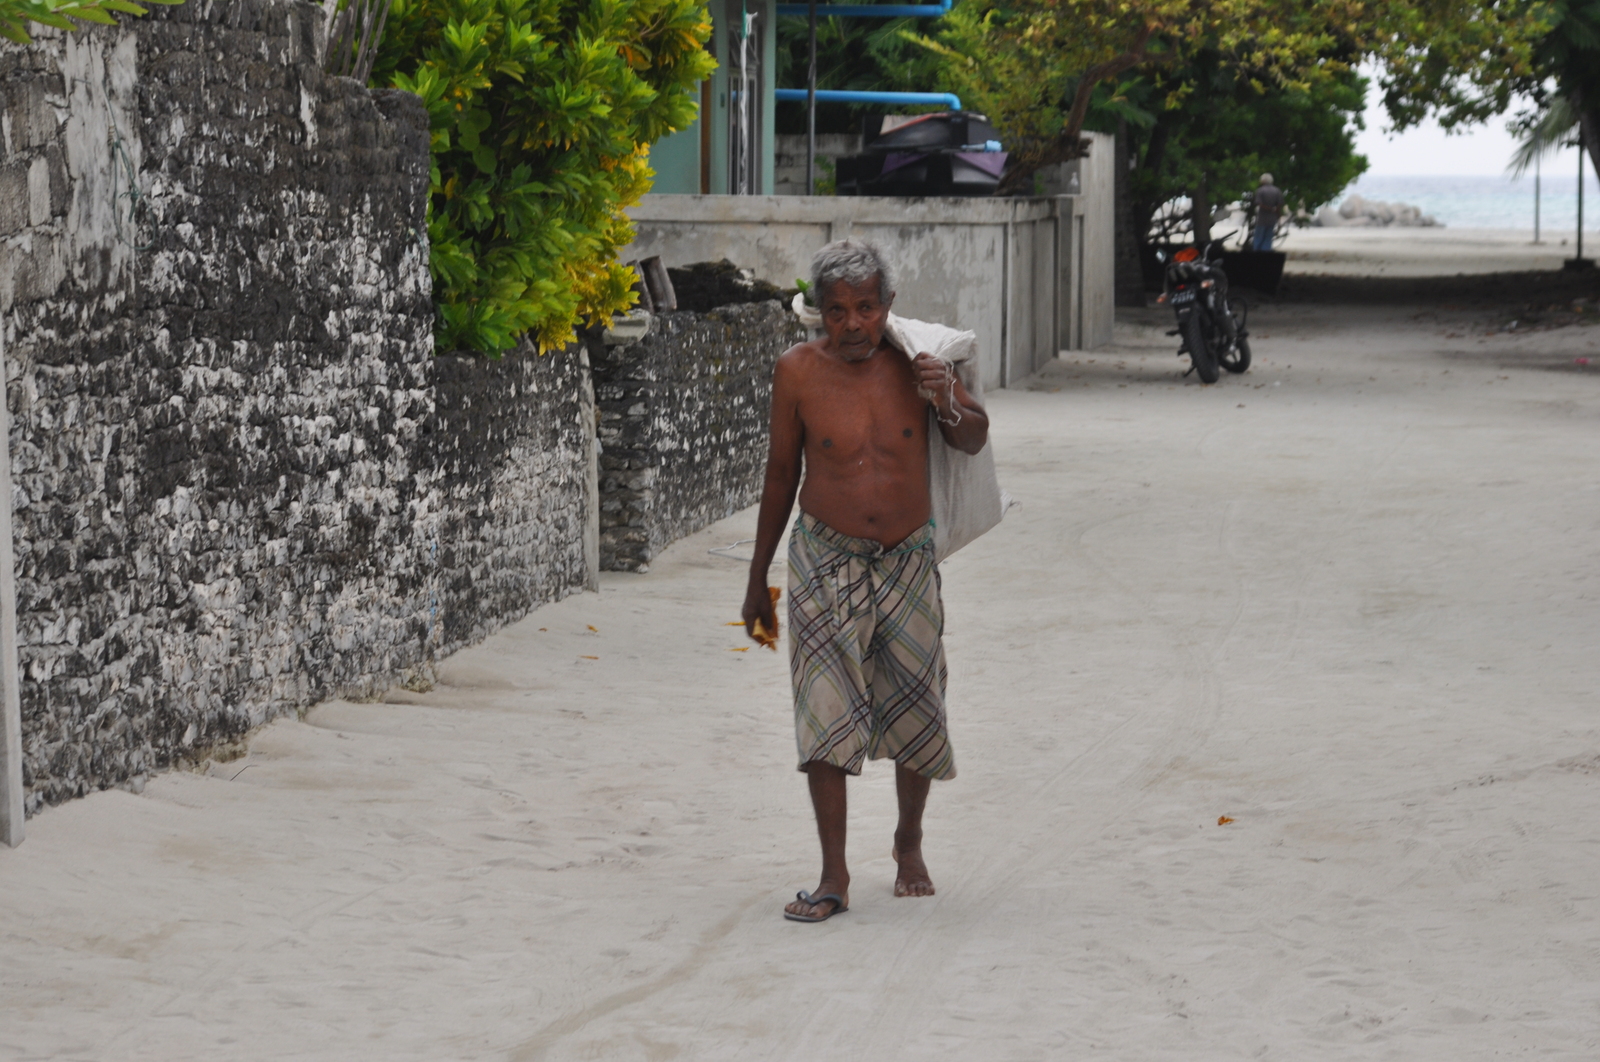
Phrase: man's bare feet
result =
(821, 911)
(912, 879)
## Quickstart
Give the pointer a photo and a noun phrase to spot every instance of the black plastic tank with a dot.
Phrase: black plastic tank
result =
(948, 154)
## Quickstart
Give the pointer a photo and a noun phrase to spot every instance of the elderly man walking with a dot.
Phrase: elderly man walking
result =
(873, 413)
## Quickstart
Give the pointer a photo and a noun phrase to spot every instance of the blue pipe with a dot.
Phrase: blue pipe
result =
(948, 99)
(869, 10)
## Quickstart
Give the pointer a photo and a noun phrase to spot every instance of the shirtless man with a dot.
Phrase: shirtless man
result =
(865, 615)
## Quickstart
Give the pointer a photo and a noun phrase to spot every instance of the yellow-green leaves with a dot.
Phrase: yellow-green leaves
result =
(1032, 65)
(542, 112)
(16, 14)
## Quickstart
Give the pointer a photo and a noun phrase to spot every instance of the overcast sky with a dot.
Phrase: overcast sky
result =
(1428, 152)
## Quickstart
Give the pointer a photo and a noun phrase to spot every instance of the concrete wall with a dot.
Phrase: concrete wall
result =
(1097, 237)
(241, 482)
(1031, 276)
(789, 165)
(1090, 253)
(683, 425)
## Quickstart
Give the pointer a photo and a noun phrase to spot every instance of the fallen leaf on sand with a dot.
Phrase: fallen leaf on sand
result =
(740, 649)
(1223, 820)
(588, 658)
(762, 635)
(592, 627)
(734, 623)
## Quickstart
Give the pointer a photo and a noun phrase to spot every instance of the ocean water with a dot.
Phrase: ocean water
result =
(1490, 202)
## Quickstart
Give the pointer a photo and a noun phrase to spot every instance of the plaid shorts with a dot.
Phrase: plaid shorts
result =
(866, 650)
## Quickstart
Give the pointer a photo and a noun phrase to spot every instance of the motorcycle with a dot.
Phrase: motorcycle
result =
(1211, 324)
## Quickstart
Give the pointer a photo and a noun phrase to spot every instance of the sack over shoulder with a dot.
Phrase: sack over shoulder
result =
(964, 489)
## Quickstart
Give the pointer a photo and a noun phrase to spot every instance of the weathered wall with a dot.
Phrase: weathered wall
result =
(683, 425)
(241, 482)
(513, 495)
(789, 165)
(1000, 267)
(1095, 236)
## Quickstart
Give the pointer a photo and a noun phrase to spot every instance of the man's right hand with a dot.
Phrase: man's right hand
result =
(758, 605)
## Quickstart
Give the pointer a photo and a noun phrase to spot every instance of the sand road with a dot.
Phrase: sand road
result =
(1350, 600)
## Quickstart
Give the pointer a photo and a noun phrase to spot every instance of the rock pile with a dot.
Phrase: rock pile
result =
(703, 286)
(1358, 213)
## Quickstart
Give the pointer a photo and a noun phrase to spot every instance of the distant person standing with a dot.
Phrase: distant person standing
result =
(1269, 208)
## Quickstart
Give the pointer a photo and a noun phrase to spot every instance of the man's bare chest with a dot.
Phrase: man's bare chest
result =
(878, 410)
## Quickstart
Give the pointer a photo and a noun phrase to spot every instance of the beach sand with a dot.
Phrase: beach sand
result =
(1348, 601)
(1422, 252)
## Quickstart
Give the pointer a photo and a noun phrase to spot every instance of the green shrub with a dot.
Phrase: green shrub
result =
(16, 14)
(542, 112)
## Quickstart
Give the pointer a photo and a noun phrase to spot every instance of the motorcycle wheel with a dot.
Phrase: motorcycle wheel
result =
(1205, 362)
(1238, 359)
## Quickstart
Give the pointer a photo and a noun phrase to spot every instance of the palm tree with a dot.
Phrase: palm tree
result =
(1548, 129)
(1569, 56)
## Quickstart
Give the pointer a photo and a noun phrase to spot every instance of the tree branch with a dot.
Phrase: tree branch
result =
(1072, 129)
(1069, 143)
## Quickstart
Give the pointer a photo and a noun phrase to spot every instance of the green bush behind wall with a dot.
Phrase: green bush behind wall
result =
(543, 112)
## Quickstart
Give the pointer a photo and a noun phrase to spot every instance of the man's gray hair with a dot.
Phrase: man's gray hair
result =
(852, 261)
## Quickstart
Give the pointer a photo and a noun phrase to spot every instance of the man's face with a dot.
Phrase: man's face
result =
(854, 316)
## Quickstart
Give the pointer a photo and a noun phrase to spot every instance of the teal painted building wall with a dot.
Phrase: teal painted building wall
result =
(677, 159)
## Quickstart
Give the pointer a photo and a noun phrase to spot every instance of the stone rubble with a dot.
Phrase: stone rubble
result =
(1356, 212)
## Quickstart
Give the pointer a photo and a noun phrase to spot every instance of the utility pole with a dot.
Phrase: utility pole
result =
(1580, 263)
(1536, 160)
(811, 103)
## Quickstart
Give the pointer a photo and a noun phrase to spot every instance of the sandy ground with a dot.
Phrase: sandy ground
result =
(1349, 601)
(1429, 252)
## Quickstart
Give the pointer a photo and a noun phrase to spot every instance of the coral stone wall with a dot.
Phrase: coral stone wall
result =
(683, 425)
(513, 490)
(241, 481)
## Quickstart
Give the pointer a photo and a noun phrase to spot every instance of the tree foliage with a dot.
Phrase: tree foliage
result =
(16, 14)
(1543, 129)
(1564, 86)
(1225, 131)
(1559, 83)
(1461, 61)
(542, 112)
(875, 55)
(1033, 65)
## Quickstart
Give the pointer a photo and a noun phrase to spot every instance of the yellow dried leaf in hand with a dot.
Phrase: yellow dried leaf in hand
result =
(761, 634)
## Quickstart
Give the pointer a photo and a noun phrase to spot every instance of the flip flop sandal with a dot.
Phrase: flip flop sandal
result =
(814, 901)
